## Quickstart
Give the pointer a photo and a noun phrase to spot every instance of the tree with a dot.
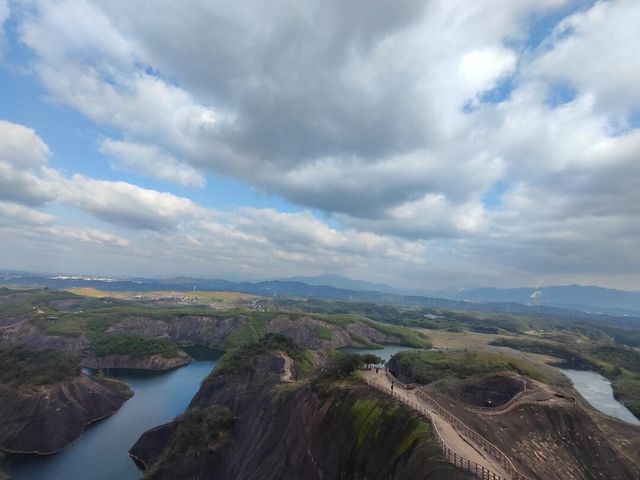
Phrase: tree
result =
(368, 359)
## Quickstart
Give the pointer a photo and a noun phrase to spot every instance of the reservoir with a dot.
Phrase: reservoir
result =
(101, 452)
(598, 392)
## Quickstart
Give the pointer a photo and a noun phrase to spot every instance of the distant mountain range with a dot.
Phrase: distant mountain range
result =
(338, 281)
(573, 300)
(573, 297)
(590, 299)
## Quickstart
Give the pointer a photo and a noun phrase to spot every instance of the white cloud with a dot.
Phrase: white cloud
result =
(21, 146)
(88, 235)
(479, 70)
(26, 178)
(19, 214)
(127, 205)
(23, 172)
(193, 233)
(150, 160)
(596, 52)
(276, 128)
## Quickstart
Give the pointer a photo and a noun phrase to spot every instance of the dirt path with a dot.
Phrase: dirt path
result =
(286, 375)
(449, 434)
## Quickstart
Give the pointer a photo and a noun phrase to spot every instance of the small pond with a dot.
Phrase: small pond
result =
(385, 353)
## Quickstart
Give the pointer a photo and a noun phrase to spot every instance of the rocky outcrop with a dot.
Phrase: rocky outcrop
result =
(557, 438)
(304, 332)
(319, 430)
(208, 331)
(150, 362)
(26, 334)
(46, 419)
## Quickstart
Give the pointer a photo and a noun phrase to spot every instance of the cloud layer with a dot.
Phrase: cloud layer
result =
(441, 141)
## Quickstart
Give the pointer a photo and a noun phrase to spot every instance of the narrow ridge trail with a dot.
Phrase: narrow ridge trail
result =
(449, 434)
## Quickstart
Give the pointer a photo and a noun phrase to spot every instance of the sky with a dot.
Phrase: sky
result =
(424, 144)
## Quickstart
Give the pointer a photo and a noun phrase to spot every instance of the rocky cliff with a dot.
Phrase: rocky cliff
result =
(548, 431)
(263, 428)
(149, 362)
(45, 419)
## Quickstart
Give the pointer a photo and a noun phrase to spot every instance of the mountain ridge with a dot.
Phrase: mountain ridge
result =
(480, 300)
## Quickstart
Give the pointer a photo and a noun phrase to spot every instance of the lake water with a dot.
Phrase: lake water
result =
(385, 353)
(598, 392)
(101, 452)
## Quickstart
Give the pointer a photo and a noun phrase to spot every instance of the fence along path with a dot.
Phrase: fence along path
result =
(461, 445)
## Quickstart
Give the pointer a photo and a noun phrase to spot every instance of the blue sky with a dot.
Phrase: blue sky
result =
(401, 147)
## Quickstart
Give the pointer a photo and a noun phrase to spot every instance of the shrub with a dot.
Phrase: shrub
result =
(134, 345)
(25, 366)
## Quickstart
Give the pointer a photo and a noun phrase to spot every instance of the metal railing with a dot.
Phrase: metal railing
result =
(405, 386)
(501, 409)
(480, 471)
(463, 429)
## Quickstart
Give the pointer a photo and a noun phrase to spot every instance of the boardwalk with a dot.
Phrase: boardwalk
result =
(461, 448)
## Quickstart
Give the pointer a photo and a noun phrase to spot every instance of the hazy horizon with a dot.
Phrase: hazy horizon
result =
(104, 276)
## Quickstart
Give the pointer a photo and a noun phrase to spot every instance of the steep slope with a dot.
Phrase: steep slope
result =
(45, 419)
(263, 428)
(547, 431)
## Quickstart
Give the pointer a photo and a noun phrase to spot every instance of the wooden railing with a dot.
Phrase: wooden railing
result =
(451, 455)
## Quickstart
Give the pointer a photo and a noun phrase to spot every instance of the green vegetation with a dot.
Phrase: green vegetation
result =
(624, 336)
(367, 414)
(26, 302)
(342, 365)
(25, 366)
(419, 433)
(379, 422)
(370, 359)
(134, 345)
(64, 325)
(342, 312)
(627, 390)
(244, 359)
(358, 339)
(619, 356)
(572, 357)
(426, 367)
(323, 332)
(123, 308)
(339, 320)
(254, 329)
(407, 337)
(197, 432)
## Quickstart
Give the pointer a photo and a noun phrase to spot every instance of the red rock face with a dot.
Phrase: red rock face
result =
(150, 362)
(46, 419)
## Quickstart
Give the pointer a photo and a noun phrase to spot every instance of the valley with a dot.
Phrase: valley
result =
(296, 352)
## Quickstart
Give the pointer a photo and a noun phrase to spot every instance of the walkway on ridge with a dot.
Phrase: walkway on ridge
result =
(449, 434)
